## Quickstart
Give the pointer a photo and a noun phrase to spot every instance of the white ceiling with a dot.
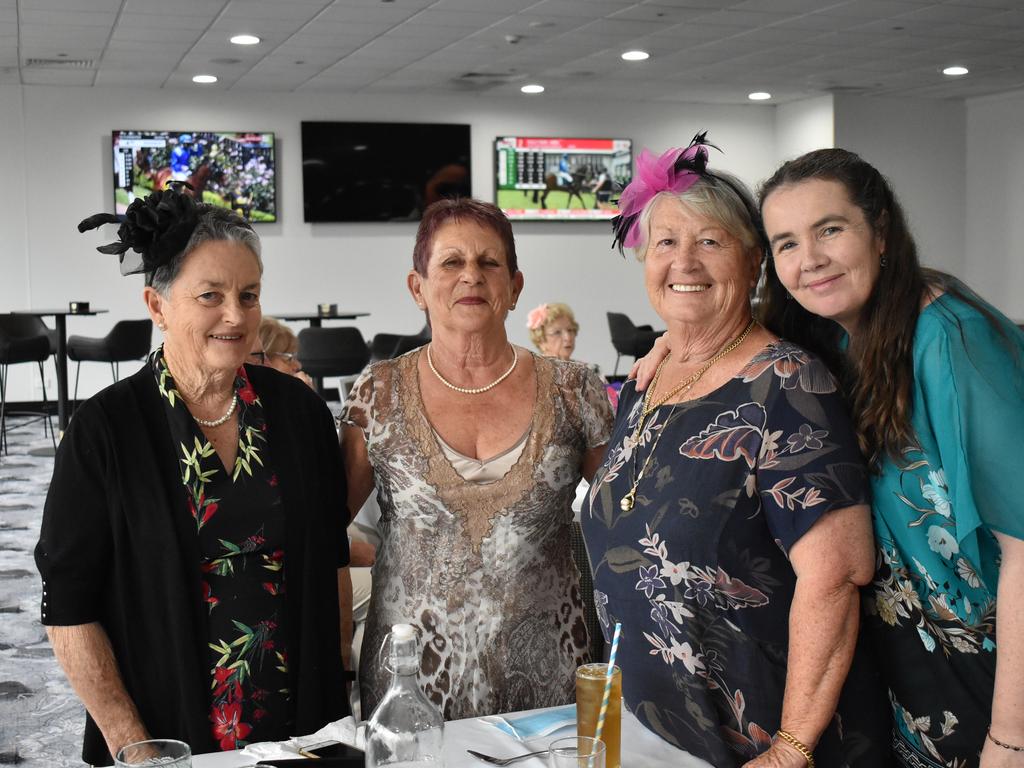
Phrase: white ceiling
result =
(701, 50)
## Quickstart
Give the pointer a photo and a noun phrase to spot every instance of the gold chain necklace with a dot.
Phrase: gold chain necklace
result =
(627, 502)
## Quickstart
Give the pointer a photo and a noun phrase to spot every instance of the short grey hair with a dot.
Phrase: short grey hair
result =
(722, 198)
(215, 224)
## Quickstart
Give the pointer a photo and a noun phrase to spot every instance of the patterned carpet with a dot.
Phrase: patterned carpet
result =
(41, 720)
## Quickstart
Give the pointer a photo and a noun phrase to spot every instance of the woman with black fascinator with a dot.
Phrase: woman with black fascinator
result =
(191, 539)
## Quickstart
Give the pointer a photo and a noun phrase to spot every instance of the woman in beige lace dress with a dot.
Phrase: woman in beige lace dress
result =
(475, 447)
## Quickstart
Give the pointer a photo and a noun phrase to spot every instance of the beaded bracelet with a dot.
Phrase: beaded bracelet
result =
(798, 745)
(998, 743)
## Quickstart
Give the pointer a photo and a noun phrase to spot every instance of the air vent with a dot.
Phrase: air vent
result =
(483, 80)
(60, 63)
(480, 76)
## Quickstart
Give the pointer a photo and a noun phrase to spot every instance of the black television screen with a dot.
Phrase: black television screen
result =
(381, 171)
(231, 170)
(560, 179)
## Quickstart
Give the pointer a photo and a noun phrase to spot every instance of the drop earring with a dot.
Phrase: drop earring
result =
(883, 260)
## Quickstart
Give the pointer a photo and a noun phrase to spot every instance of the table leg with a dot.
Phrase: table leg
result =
(61, 362)
(318, 382)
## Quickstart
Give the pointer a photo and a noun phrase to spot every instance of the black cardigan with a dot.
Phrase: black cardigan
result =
(118, 546)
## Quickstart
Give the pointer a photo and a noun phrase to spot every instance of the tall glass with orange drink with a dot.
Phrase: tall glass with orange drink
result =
(589, 692)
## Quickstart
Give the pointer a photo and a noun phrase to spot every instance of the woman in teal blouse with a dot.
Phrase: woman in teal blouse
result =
(934, 378)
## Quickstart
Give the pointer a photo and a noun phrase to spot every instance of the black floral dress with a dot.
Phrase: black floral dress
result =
(698, 573)
(240, 526)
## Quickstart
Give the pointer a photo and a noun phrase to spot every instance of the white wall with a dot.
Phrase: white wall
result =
(66, 152)
(995, 200)
(14, 286)
(920, 146)
(802, 126)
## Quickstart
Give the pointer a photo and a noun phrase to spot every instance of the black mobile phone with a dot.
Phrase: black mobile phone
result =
(336, 749)
(333, 755)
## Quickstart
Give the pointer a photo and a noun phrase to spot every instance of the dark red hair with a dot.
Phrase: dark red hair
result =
(461, 209)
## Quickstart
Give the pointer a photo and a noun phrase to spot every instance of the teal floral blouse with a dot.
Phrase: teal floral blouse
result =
(932, 606)
(240, 526)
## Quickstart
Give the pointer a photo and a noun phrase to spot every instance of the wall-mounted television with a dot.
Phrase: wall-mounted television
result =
(231, 170)
(381, 171)
(560, 179)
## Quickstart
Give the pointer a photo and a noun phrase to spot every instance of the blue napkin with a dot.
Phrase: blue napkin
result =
(532, 725)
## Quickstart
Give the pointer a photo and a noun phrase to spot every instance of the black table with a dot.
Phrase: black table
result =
(61, 358)
(315, 318)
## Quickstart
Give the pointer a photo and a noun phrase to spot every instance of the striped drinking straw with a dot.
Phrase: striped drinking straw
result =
(608, 681)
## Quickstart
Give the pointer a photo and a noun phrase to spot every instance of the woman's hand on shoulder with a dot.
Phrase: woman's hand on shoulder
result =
(780, 755)
(643, 370)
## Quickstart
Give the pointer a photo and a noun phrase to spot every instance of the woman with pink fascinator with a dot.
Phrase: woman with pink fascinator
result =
(729, 529)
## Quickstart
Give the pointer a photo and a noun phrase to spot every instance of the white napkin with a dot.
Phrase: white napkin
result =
(344, 730)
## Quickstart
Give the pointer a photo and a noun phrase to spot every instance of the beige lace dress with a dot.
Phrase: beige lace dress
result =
(484, 571)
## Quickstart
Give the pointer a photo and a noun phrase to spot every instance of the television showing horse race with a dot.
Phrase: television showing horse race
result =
(560, 179)
(230, 170)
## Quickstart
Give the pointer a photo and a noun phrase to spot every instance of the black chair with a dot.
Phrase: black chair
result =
(628, 339)
(127, 340)
(332, 352)
(23, 339)
(385, 346)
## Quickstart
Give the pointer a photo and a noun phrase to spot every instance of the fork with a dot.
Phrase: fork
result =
(504, 760)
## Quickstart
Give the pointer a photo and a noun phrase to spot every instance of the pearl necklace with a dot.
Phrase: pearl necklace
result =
(477, 390)
(222, 419)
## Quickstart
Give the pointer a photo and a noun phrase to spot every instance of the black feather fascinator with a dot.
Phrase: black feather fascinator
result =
(156, 227)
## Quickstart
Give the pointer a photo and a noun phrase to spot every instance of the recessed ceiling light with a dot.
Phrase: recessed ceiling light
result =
(245, 40)
(534, 88)
(955, 71)
(759, 96)
(636, 56)
(204, 79)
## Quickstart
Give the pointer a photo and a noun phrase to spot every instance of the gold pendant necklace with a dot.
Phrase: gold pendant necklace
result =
(627, 502)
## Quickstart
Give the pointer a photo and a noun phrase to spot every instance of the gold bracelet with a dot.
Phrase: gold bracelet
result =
(798, 745)
(998, 743)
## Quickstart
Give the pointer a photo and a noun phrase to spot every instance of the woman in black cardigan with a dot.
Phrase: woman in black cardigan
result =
(191, 542)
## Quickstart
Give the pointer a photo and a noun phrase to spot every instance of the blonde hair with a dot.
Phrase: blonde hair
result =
(276, 337)
(555, 311)
(721, 202)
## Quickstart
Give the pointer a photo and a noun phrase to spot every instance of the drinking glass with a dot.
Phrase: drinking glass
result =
(576, 752)
(166, 753)
(590, 679)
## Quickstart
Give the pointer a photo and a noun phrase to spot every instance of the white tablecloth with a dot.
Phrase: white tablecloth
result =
(640, 748)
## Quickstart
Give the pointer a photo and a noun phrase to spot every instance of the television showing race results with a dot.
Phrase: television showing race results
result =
(561, 179)
(230, 170)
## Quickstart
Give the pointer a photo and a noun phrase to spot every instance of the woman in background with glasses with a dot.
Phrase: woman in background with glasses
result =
(278, 347)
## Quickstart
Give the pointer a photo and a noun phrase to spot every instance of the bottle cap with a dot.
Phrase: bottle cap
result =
(403, 631)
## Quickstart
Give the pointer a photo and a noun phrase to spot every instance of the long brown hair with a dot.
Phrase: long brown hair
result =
(878, 369)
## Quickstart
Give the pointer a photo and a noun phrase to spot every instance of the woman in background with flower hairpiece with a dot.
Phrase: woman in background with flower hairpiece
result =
(191, 544)
(728, 528)
(475, 448)
(553, 330)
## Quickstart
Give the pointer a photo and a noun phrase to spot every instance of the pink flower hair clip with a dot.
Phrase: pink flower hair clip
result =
(537, 317)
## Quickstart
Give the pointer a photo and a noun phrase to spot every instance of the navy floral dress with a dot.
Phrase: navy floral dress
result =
(240, 526)
(697, 571)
